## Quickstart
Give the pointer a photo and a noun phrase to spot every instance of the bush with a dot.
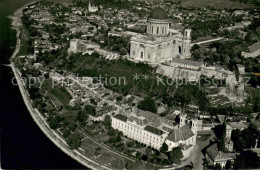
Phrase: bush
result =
(90, 110)
(74, 141)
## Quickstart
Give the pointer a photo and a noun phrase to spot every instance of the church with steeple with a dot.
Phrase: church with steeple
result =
(92, 8)
(159, 44)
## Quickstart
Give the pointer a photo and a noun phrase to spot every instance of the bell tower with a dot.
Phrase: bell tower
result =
(186, 43)
(182, 119)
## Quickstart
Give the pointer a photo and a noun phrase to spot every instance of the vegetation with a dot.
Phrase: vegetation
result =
(90, 110)
(246, 138)
(164, 148)
(175, 155)
(247, 160)
(74, 141)
(82, 117)
(148, 104)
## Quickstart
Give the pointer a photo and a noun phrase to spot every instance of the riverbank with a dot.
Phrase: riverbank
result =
(37, 117)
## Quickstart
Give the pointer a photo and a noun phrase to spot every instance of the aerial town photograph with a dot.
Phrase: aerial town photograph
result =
(130, 84)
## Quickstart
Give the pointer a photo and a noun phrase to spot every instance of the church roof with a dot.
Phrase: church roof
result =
(181, 133)
(158, 13)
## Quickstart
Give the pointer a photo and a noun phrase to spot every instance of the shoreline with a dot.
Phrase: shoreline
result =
(37, 117)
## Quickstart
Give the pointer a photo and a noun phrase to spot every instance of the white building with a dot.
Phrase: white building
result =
(150, 129)
(77, 45)
(92, 8)
(254, 51)
(214, 156)
(159, 45)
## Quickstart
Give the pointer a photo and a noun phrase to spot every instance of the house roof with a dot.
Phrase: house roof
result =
(138, 120)
(254, 47)
(121, 117)
(237, 125)
(181, 133)
(218, 156)
(153, 130)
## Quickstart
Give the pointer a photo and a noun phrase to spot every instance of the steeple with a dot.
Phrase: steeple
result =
(89, 4)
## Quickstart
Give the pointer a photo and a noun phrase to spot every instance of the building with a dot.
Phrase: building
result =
(92, 8)
(234, 125)
(254, 51)
(188, 64)
(158, 44)
(152, 130)
(214, 156)
(77, 45)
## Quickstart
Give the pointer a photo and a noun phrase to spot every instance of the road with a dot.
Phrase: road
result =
(196, 157)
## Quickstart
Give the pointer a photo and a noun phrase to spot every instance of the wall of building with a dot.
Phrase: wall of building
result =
(138, 133)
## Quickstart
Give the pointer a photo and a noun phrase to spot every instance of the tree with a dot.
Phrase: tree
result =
(175, 155)
(82, 116)
(107, 120)
(66, 133)
(74, 141)
(247, 160)
(54, 122)
(164, 147)
(228, 165)
(90, 110)
(217, 166)
(122, 51)
(222, 146)
(148, 104)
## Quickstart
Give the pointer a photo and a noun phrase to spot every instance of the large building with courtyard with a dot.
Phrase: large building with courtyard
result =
(160, 43)
(152, 130)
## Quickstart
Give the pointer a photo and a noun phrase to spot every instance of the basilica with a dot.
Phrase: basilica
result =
(160, 43)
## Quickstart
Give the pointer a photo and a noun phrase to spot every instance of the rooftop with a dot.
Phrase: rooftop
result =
(121, 117)
(153, 130)
(181, 133)
(218, 156)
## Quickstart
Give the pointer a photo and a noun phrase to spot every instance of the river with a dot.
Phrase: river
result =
(23, 144)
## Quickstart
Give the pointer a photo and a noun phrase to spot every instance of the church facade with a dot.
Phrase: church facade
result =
(159, 44)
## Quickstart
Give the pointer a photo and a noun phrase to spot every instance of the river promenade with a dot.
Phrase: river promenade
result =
(35, 114)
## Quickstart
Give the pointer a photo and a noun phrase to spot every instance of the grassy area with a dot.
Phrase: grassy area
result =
(104, 156)
(62, 94)
(203, 137)
(58, 91)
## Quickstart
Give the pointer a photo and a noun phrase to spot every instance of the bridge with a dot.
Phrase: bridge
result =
(208, 41)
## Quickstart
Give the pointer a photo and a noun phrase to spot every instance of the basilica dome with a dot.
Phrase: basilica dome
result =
(158, 13)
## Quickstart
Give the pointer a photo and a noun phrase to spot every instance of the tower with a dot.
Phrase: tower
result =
(182, 119)
(194, 126)
(186, 43)
(89, 5)
(92, 8)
